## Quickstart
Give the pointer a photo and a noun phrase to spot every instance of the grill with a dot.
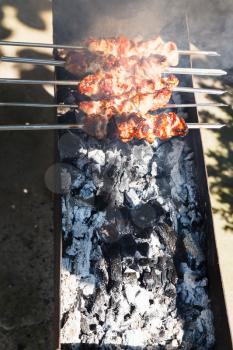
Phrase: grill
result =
(138, 238)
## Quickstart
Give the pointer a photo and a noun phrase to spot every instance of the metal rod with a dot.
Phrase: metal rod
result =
(193, 105)
(170, 70)
(49, 46)
(76, 126)
(38, 82)
(78, 47)
(37, 105)
(198, 52)
(37, 61)
(200, 90)
(195, 71)
(39, 127)
(76, 82)
(204, 126)
(56, 105)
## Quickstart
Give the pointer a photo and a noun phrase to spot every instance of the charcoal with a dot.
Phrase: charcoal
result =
(146, 215)
(134, 268)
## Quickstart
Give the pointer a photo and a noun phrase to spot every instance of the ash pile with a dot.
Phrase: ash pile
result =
(133, 268)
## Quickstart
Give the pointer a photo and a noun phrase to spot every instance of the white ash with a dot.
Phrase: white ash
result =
(192, 289)
(97, 156)
(128, 283)
(71, 327)
(132, 197)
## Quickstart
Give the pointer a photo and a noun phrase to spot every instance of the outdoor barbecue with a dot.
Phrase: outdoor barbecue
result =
(126, 78)
(138, 267)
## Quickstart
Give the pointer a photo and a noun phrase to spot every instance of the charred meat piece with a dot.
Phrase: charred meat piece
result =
(102, 85)
(142, 127)
(83, 62)
(127, 103)
(122, 46)
(96, 126)
(149, 127)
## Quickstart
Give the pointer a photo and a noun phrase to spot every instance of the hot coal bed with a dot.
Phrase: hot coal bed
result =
(134, 257)
(133, 260)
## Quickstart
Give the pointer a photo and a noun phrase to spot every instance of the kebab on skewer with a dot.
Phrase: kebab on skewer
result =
(79, 63)
(105, 54)
(142, 127)
(102, 85)
(127, 76)
(122, 46)
(149, 127)
(134, 69)
(127, 104)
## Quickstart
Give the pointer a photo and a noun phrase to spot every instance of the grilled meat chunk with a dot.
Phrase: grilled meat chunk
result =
(122, 46)
(102, 85)
(127, 103)
(149, 127)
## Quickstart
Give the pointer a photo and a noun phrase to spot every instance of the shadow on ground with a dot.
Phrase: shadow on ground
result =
(221, 169)
(27, 12)
(26, 206)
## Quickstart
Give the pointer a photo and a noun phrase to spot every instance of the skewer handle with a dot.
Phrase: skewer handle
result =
(38, 82)
(49, 46)
(37, 61)
(39, 127)
(37, 105)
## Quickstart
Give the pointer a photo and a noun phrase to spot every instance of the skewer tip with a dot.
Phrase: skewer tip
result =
(222, 126)
(205, 126)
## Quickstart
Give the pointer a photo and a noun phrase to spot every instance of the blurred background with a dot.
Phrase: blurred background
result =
(26, 206)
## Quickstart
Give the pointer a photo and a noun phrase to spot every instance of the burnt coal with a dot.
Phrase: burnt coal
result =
(146, 215)
(134, 272)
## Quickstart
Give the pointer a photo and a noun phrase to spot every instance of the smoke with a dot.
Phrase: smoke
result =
(101, 18)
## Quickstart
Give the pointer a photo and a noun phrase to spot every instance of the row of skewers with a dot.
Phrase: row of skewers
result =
(125, 80)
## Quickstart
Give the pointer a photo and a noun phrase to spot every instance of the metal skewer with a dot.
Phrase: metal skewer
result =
(195, 71)
(56, 105)
(45, 45)
(37, 61)
(170, 70)
(204, 126)
(198, 52)
(38, 82)
(78, 47)
(76, 126)
(200, 90)
(76, 82)
(193, 105)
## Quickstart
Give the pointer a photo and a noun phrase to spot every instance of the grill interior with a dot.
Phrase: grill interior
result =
(109, 226)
